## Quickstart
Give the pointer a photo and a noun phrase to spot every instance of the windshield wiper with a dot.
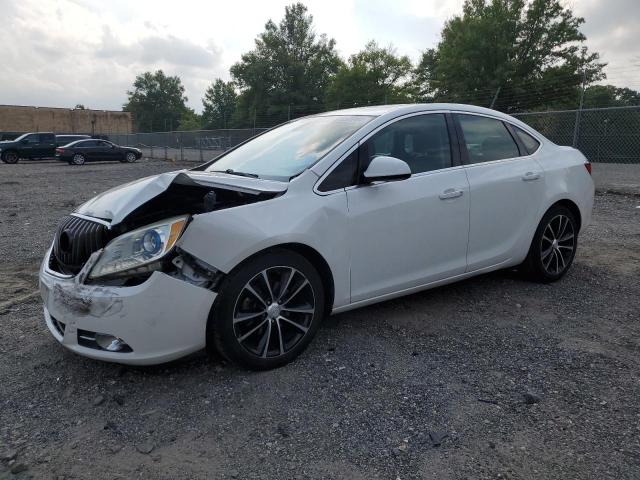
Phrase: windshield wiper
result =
(231, 171)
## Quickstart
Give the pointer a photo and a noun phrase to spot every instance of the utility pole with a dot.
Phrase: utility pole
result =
(576, 129)
(495, 97)
(254, 120)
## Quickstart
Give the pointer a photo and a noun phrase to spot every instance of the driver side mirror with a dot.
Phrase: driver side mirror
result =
(386, 169)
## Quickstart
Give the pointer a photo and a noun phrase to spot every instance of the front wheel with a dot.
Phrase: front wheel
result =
(267, 311)
(130, 157)
(10, 157)
(553, 247)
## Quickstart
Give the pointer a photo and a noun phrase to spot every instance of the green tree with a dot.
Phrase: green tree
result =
(530, 50)
(190, 120)
(157, 102)
(374, 76)
(609, 96)
(219, 104)
(289, 67)
(79, 106)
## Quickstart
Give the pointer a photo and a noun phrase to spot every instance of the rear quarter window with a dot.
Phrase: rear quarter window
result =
(530, 143)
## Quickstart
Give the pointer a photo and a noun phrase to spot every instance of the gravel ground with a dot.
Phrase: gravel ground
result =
(494, 377)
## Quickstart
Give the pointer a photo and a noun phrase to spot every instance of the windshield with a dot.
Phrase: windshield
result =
(17, 139)
(286, 151)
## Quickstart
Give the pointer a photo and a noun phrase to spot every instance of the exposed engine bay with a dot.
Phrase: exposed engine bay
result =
(80, 235)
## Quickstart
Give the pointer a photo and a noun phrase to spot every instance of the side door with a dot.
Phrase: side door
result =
(106, 151)
(409, 233)
(29, 146)
(506, 187)
(47, 145)
(86, 148)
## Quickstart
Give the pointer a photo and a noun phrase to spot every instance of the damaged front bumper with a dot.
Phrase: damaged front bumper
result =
(159, 320)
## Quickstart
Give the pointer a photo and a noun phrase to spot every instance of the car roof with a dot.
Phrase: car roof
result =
(384, 113)
(82, 140)
(400, 109)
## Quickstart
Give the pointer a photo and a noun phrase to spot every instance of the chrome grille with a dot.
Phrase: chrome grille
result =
(76, 239)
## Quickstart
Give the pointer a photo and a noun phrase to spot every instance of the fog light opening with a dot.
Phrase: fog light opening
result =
(111, 343)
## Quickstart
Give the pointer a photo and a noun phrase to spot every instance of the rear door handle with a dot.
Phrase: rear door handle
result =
(527, 177)
(451, 193)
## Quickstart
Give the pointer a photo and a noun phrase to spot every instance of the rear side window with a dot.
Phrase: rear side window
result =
(487, 139)
(422, 141)
(530, 143)
(344, 175)
(47, 138)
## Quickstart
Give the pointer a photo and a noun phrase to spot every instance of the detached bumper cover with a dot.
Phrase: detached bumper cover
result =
(161, 319)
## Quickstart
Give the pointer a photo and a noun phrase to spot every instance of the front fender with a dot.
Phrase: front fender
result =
(225, 238)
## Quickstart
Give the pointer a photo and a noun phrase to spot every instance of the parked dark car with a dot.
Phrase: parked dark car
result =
(28, 145)
(81, 151)
(67, 139)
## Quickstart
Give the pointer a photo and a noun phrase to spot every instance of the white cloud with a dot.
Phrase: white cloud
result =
(63, 52)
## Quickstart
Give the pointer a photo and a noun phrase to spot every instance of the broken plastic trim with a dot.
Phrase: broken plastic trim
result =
(194, 271)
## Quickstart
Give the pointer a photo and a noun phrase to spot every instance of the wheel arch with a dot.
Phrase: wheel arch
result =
(571, 206)
(314, 257)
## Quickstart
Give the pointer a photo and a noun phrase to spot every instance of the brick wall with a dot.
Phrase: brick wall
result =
(63, 120)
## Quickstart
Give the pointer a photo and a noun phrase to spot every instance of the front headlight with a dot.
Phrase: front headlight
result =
(139, 248)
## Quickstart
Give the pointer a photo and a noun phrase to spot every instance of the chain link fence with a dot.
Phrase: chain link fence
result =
(604, 135)
(197, 145)
(607, 135)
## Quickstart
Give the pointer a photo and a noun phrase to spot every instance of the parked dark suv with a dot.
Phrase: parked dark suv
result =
(29, 145)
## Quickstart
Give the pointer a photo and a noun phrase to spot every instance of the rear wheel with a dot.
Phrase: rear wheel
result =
(10, 157)
(553, 247)
(267, 311)
(77, 159)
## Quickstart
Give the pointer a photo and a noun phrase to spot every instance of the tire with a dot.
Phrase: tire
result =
(130, 157)
(262, 326)
(77, 159)
(553, 247)
(10, 157)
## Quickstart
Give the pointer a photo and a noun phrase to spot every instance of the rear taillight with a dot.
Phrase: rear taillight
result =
(588, 167)
(59, 151)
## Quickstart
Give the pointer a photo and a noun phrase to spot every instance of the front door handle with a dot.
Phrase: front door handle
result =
(527, 177)
(451, 193)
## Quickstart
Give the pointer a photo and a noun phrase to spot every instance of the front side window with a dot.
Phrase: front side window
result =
(422, 141)
(288, 150)
(487, 139)
(32, 138)
(344, 175)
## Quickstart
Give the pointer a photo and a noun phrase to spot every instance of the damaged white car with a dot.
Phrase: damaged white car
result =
(246, 254)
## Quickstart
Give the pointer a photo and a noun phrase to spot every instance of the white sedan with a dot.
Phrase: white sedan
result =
(246, 254)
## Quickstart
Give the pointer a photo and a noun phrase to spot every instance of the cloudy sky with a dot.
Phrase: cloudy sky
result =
(64, 52)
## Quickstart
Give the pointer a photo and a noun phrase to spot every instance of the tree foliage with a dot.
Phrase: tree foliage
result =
(530, 50)
(190, 120)
(609, 96)
(157, 102)
(219, 104)
(373, 76)
(289, 66)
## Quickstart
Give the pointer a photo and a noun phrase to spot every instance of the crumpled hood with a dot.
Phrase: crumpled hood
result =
(115, 204)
